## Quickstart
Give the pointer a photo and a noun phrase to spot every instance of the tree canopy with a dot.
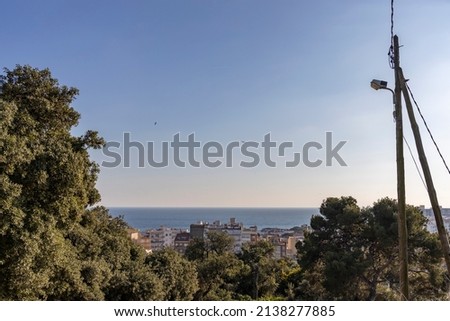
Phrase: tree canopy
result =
(178, 275)
(352, 253)
(53, 244)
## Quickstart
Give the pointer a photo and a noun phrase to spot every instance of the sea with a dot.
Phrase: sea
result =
(144, 218)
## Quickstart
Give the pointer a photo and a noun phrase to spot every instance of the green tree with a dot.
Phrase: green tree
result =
(352, 254)
(216, 242)
(287, 276)
(426, 276)
(332, 252)
(110, 261)
(47, 181)
(217, 266)
(178, 275)
(217, 277)
(52, 246)
(259, 278)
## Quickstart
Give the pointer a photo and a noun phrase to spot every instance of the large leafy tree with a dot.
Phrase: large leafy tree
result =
(258, 279)
(332, 252)
(51, 245)
(179, 276)
(426, 274)
(352, 254)
(111, 264)
(217, 266)
(217, 276)
(215, 242)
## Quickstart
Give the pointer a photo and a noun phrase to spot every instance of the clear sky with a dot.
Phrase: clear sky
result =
(235, 71)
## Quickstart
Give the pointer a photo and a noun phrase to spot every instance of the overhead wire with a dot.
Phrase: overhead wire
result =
(415, 163)
(392, 65)
(428, 128)
(391, 48)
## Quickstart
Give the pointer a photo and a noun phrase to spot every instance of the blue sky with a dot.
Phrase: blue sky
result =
(237, 70)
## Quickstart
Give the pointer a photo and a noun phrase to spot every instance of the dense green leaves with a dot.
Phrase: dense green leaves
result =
(259, 278)
(352, 254)
(52, 246)
(217, 266)
(178, 275)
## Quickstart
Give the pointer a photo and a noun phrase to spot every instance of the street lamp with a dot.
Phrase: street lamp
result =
(381, 84)
(401, 202)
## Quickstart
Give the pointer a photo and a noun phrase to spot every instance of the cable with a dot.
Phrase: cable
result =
(392, 19)
(415, 163)
(391, 48)
(428, 129)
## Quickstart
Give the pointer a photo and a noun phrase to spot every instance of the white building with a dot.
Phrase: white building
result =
(431, 225)
(162, 237)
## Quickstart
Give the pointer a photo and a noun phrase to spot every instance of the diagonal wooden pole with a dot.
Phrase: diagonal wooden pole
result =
(427, 174)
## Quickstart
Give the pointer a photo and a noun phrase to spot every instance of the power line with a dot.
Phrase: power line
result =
(391, 48)
(428, 129)
(415, 163)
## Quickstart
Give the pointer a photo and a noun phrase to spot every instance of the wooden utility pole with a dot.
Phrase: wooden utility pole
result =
(401, 215)
(427, 174)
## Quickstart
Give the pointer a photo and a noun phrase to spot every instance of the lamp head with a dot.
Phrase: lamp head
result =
(378, 84)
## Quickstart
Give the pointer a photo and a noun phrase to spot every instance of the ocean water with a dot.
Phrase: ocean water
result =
(154, 217)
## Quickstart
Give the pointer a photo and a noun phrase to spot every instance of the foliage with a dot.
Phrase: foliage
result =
(216, 242)
(52, 246)
(217, 266)
(178, 275)
(104, 245)
(352, 254)
(217, 275)
(258, 278)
